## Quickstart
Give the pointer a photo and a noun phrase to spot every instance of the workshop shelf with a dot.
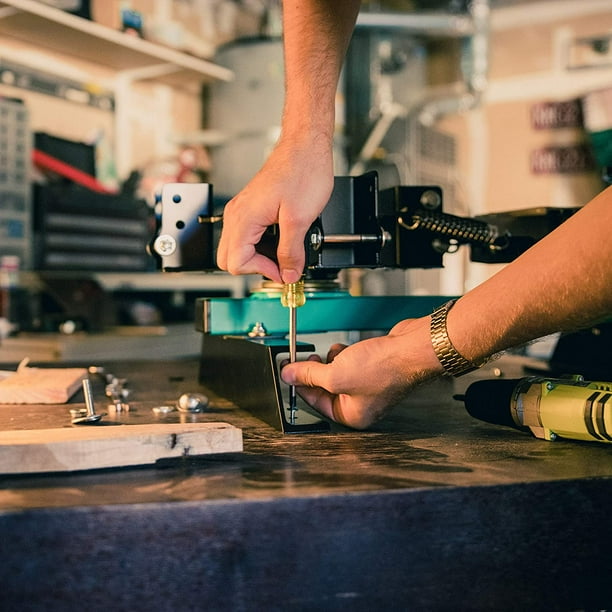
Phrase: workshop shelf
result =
(62, 32)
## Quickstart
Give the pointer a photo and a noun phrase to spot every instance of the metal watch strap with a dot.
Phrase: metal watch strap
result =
(452, 361)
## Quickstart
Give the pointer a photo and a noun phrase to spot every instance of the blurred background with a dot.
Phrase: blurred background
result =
(505, 104)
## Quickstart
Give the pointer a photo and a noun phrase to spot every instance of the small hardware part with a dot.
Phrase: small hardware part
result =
(116, 389)
(90, 417)
(192, 402)
(163, 409)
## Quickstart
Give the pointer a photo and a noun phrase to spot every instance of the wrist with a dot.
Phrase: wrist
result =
(317, 135)
(415, 354)
(309, 119)
(452, 361)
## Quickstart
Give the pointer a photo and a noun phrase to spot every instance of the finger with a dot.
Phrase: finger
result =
(222, 252)
(319, 399)
(300, 375)
(258, 264)
(313, 357)
(247, 261)
(236, 252)
(290, 253)
(309, 373)
(334, 351)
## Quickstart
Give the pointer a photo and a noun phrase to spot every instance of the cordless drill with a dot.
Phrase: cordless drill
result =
(550, 408)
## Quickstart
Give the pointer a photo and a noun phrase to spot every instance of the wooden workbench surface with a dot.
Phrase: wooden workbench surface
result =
(430, 504)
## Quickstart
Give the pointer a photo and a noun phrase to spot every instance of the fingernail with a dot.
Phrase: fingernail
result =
(290, 276)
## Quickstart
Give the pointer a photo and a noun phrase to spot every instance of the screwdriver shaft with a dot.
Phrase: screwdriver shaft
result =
(292, 358)
(292, 297)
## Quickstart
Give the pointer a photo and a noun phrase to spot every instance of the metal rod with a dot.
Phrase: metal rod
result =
(350, 238)
(87, 393)
(90, 416)
(292, 358)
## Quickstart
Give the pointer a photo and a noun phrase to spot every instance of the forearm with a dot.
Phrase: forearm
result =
(562, 283)
(316, 34)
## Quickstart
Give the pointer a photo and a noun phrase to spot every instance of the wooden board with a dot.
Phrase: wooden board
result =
(88, 447)
(41, 385)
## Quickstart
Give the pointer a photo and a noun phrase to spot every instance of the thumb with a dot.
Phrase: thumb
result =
(309, 373)
(291, 255)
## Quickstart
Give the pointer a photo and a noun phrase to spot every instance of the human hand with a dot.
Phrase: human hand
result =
(360, 383)
(291, 189)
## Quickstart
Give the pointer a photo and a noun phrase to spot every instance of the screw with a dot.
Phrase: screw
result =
(90, 415)
(430, 199)
(164, 245)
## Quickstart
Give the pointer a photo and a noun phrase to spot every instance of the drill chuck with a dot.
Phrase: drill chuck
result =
(568, 408)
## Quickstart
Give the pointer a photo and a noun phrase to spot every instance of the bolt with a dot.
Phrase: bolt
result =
(90, 416)
(430, 199)
(164, 245)
(316, 239)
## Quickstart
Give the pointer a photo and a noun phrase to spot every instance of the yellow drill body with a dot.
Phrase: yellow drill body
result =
(571, 408)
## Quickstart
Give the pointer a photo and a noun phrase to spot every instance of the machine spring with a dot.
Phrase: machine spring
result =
(460, 229)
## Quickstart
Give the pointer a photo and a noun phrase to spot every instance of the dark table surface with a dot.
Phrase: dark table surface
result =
(429, 441)
(434, 504)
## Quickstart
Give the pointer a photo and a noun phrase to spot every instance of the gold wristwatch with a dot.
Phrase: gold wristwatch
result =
(452, 361)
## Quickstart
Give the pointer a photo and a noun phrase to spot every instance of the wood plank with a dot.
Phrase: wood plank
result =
(41, 385)
(90, 447)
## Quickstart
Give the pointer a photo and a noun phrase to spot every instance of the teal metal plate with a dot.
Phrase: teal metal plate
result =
(223, 316)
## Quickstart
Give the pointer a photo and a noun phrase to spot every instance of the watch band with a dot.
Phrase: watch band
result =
(452, 361)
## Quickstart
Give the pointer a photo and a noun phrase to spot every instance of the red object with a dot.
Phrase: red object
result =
(48, 162)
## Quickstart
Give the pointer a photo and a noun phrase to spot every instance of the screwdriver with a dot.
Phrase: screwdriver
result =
(293, 297)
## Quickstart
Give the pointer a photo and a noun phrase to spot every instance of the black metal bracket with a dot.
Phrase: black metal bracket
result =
(244, 370)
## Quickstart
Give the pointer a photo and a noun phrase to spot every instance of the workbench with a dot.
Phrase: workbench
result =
(429, 510)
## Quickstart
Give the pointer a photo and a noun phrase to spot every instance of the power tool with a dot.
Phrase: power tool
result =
(550, 408)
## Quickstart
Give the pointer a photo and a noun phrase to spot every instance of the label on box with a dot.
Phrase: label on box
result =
(562, 159)
(556, 115)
